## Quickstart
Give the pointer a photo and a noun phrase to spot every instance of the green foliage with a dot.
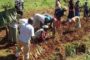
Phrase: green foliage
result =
(6, 4)
(6, 17)
(87, 57)
(70, 49)
(38, 4)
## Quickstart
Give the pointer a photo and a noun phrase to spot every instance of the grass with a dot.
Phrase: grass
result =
(77, 57)
(31, 4)
(36, 4)
(4, 52)
(86, 56)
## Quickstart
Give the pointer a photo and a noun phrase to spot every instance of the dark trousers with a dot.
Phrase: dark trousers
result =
(13, 34)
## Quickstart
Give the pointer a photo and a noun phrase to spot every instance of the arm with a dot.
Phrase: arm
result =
(32, 36)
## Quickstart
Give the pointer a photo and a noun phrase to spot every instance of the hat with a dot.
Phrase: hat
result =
(45, 26)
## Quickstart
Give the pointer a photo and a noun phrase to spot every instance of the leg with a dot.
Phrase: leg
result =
(24, 49)
(10, 34)
(15, 34)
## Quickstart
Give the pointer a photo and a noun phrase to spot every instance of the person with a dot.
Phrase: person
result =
(77, 10)
(13, 29)
(86, 10)
(71, 10)
(41, 19)
(25, 37)
(16, 2)
(77, 22)
(56, 3)
(19, 6)
(77, 13)
(13, 32)
(22, 3)
(41, 34)
(59, 12)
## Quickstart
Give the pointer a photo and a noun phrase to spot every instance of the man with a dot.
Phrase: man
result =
(19, 6)
(86, 10)
(25, 36)
(22, 3)
(13, 29)
(13, 32)
(71, 10)
(77, 10)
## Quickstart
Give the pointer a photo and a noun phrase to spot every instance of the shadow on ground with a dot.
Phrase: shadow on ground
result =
(9, 57)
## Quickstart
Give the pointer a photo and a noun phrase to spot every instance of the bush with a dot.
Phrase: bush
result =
(70, 49)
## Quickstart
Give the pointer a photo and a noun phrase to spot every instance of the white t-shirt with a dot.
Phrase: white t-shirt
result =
(38, 32)
(26, 32)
